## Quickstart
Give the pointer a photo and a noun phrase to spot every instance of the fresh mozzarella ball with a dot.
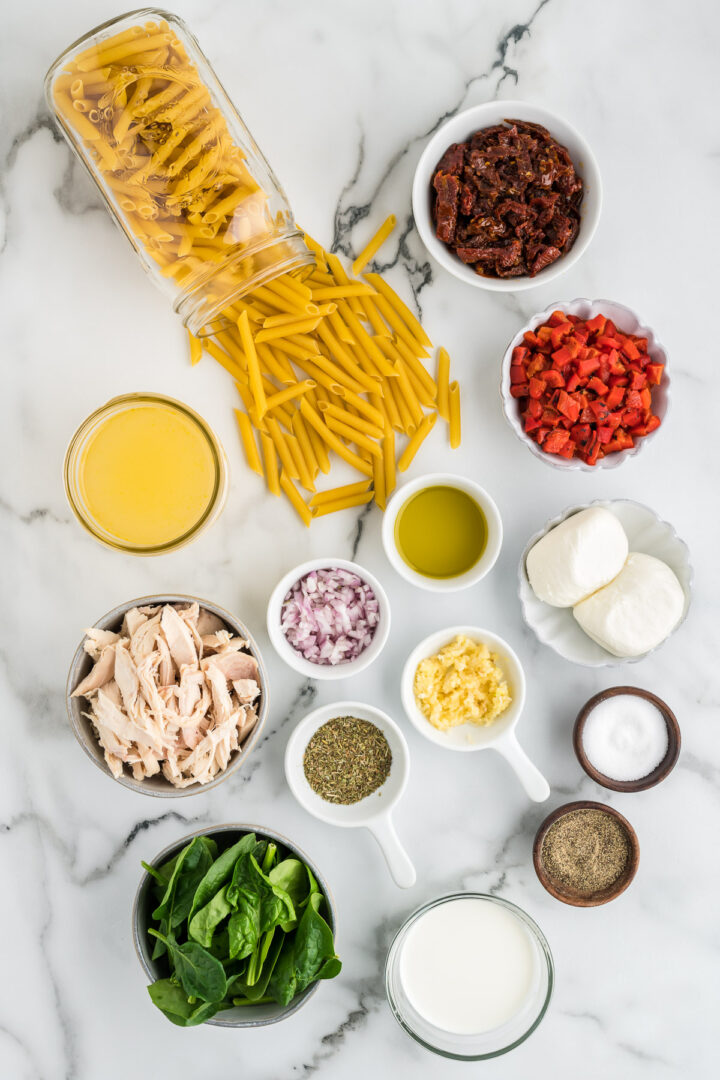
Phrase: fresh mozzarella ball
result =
(577, 557)
(637, 610)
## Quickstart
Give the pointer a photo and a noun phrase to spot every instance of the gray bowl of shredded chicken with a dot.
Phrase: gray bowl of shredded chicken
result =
(167, 694)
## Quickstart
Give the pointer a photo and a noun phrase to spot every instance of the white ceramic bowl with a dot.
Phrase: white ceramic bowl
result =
(500, 734)
(290, 655)
(557, 628)
(372, 812)
(459, 128)
(630, 323)
(494, 532)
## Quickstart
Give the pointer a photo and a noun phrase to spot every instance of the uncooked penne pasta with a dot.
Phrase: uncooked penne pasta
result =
(248, 441)
(295, 498)
(196, 349)
(371, 249)
(423, 430)
(454, 423)
(334, 494)
(443, 384)
(342, 504)
(271, 466)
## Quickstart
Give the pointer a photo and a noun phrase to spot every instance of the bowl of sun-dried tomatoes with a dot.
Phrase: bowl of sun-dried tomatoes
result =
(585, 384)
(507, 195)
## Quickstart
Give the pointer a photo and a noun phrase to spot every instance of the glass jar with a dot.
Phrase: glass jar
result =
(158, 479)
(183, 177)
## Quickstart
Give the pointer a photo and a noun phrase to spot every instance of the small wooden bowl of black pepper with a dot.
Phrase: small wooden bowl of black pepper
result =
(585, 853)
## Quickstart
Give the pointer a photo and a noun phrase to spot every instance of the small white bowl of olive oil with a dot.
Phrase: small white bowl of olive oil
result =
(442, 532)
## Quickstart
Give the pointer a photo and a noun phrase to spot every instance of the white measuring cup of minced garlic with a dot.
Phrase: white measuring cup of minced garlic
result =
(499, 735)
(374, 812)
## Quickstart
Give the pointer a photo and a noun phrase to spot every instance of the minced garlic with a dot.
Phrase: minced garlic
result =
(461, 684)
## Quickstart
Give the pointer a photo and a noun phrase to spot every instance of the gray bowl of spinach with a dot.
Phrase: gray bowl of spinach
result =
(234, 926)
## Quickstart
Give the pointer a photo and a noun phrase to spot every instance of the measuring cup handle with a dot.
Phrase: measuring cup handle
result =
(396, 857)
(528, 774)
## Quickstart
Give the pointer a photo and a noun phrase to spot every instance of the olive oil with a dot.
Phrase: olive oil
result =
(441, 532)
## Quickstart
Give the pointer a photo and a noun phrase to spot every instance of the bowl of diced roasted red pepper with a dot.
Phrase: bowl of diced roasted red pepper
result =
(585, 384)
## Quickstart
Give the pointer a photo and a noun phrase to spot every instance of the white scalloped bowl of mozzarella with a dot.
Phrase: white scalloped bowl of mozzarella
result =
(558, 628)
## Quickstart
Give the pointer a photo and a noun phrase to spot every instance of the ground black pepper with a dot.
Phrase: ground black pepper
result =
(346, 760)
(586, 850)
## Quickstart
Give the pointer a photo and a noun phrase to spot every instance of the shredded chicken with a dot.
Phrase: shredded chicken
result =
(174, 691)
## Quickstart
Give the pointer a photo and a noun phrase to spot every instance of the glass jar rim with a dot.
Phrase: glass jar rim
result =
(530, 925)
(93, 421)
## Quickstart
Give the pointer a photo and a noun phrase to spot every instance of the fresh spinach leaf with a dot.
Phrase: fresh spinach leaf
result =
(202, 925)
(193, 863)
(294, 878)
(172, 1000)
(259, 906)
(201, 974)
(256, 988)
(308, 955)
(221, 871)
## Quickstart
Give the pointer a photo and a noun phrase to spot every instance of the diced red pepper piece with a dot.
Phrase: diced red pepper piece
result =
(638, 380)
(568, 450)
(654, 373)
(558, 318)
(520, 354)
(596, 325)
(544, 334)
(587, 367)
(520, 390)
(615, 397)
(531, 339)
(581, 433)
(517, 373)
(536, 364)
(559, 333)
(553, 379)
(561, 357)
(536, 388)
(555, 441)
(598, 386)
(568, 406)
(630, 349)
(599, 410)
(572, 382)
(605, 433)
(534, 408)
(632, 418)
(531, 424)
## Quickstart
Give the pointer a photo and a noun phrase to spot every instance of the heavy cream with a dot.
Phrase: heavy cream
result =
(468, 966)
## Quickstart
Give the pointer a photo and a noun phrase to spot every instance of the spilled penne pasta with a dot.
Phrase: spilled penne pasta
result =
(330, 367)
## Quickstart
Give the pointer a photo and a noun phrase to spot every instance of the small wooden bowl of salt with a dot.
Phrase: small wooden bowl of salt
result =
(626, 739)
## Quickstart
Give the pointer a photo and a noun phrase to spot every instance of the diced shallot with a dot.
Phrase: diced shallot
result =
(330, 616)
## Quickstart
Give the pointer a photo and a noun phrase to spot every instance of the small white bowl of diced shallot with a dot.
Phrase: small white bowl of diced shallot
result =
(328, 618)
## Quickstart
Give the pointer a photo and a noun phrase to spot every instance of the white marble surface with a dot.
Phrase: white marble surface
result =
(341, 97)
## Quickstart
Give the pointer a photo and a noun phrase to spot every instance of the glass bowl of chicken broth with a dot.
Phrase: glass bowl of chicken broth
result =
(469, 976)
(167, 694)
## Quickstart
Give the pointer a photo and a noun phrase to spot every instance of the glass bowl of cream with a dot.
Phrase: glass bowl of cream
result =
(469, 976)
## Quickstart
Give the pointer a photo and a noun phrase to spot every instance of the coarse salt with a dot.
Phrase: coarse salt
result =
(625, 737)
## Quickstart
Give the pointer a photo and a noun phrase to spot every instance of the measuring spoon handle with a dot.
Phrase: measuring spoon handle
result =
(528, 774)
(398, 860)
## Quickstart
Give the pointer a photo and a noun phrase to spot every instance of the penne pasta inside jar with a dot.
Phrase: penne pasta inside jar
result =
(142, 107)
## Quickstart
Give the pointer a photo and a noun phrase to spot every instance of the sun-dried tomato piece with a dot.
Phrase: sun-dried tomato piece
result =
(446, 205)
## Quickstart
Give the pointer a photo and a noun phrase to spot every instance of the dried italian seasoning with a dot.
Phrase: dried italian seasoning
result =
(586, 850)
(346, 760)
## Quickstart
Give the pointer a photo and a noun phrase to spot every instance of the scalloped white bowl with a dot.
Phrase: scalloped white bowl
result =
(630, 323)
(557, 627)
(461, 127)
